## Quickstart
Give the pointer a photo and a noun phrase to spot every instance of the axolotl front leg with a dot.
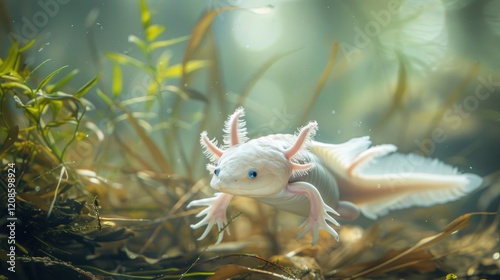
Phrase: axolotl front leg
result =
(215, 214)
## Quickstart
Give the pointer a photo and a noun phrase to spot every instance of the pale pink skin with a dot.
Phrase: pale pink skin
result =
(313, 179)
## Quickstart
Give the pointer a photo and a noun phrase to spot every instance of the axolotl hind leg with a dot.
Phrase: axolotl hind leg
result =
(318, 212)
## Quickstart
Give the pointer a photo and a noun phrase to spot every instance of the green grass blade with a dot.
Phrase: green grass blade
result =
(165, 43)
(139, 43)
(36, 68)
(19, 85)
(116, 88)
(105, 98)
(62, 82)
(127, 60)
(153, 31)
(176, 71)
(48, 78)
(85, 88)
(27, 46)
(8, 64)
(145, 14)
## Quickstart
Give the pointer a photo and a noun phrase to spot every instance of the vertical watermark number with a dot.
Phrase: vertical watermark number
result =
(11, 217)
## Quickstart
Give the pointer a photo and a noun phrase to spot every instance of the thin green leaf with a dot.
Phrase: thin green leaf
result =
(57, 96)
(162, 62)
(13, 77)
(10, 61)
(165, 43)
(48, 78)
(16, 85)
(117, 80)
(136, 100)
(153, 88)
(62, 82)
(61, 122)
(176, 71)
(88, 105)
(36, 68)
(105, 98)
(153, 31)
(127, 60)
(139, 43)
(34, 112)
(56, 106)
(27, 46)
(85, 88)
(145, 14)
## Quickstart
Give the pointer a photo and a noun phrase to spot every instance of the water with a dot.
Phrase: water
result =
(117, 163)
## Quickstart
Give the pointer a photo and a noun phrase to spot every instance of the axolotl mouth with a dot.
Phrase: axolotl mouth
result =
(224, 184)
(215, 183)
(242, 188)
(219, 185)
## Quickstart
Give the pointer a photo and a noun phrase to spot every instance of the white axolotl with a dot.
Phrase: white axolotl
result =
(312, 179)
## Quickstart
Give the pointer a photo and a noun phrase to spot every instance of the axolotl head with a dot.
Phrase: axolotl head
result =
(254, 169)
(260, 167)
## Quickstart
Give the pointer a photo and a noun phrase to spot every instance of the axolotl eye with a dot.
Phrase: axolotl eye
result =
(216, 171)
(252, 174)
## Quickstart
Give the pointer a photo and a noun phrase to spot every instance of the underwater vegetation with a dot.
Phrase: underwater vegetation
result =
(97, 169)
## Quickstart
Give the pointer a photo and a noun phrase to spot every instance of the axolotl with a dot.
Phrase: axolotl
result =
(321, 181)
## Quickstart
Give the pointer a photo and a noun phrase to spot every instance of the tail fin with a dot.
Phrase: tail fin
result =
(389, 181)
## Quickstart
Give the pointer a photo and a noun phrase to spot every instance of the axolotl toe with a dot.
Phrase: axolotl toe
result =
(322, 182)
